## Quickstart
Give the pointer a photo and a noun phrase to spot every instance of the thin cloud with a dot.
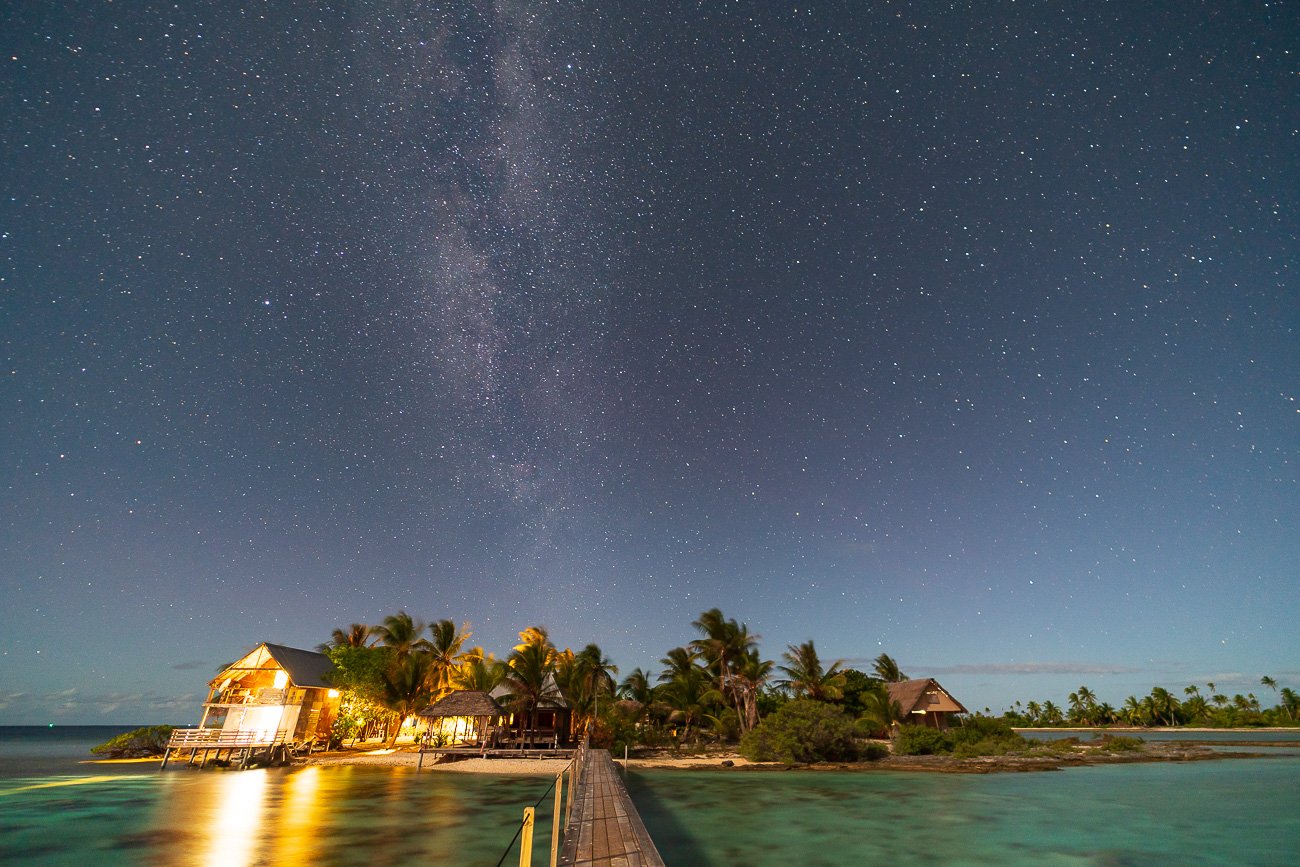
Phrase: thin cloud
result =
(1033, 668)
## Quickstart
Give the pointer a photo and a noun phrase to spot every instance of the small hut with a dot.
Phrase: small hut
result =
(545, 725)
(463, 717)
(924, 702)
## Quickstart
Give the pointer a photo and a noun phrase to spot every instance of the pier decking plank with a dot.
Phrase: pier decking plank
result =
(606, 830)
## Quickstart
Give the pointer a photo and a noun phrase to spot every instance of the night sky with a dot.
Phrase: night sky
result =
(966, 333)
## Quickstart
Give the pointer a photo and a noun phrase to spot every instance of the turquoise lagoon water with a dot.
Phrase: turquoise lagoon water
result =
(56, 811)
(1235, 811)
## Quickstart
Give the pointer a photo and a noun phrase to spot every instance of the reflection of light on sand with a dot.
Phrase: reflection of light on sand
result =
(298, 832)
(74, 781)
(233, 825)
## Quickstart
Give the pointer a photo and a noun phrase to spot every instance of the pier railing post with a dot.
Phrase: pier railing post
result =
(526, 841)
(555, 818)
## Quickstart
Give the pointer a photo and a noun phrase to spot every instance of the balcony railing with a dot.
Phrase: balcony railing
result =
(263, 696)
(217, 739)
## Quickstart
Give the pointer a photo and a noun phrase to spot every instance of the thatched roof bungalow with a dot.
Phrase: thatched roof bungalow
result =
(463, 716)
(925, 702)
(549, 721)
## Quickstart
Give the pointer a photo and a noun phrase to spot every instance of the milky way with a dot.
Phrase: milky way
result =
(968, 334)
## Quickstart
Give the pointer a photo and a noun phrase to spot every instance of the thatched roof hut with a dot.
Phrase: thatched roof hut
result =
(463, 703)
(465, 716)
(924, 702)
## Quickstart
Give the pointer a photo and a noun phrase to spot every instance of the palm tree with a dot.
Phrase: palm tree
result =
(887, 670)
(529, 675)
(879, 714)
(752, 672)
(1268, 682)
(1051, 713)
(1195, 708)
(724, 645)
(597, 674)
(1032, 712)
(806, 676)
(1290, 702)
(446, 650)
(637, 687)
(356, 635)
(402, 633)
(478, 671)
(1132, 711)
(687, 688)
(1105, 714)
(1081, 705)
(405, 689)
(1164, 706)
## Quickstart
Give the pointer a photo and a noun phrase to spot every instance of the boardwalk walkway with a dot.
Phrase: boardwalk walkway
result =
(606, 830)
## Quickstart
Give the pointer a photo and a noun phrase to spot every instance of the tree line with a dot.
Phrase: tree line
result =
(716, 687)
(1161, 707)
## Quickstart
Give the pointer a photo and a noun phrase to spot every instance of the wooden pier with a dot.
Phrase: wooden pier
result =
(604, 828)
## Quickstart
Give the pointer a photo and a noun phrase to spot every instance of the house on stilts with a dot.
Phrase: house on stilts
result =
(272, 701)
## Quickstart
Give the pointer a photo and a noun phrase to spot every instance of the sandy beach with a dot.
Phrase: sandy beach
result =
(401, 758)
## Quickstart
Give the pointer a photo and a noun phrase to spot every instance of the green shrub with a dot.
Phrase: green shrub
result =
(985, 736)
(872, 751)
(915, 740)
(147, 741)
(802, 731)
(1119, 744)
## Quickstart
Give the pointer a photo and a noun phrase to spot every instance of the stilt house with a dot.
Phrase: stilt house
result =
(275, 694)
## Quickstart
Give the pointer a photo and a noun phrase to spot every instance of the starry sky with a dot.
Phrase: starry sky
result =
(962, 332)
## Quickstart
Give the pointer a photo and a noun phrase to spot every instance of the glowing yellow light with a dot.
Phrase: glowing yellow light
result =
(333, 693)
(232, 827)
(298, 834)
(281, 679)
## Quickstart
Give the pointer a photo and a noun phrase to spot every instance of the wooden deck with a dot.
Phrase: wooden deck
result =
(605, 830)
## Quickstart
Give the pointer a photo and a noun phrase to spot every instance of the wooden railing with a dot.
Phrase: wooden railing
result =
(217, 739)
(262, 696)
(525, 833)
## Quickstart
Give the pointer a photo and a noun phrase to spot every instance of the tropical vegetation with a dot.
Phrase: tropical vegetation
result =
(137, 744)
(1163, 707)
(717, 687)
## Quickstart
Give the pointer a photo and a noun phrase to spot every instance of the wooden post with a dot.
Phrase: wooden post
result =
(526, 840)
(573, 790)
(555, 819)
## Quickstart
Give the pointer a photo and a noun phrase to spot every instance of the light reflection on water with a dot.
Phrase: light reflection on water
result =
(310, 815)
